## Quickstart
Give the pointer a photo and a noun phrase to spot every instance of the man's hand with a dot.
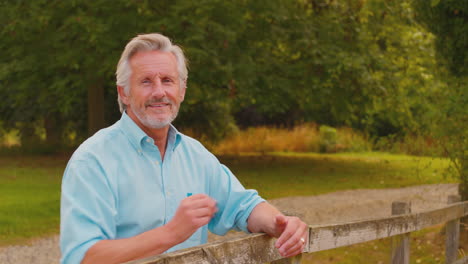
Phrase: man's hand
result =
(290, 231)
(292, 235)
(193, 212)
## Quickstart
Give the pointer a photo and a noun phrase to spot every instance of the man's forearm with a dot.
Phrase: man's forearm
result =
(152, 242)
(193, 212)
(261, 219)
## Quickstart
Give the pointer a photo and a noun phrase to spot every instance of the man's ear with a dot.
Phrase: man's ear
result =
(123, 96)
(182, 92)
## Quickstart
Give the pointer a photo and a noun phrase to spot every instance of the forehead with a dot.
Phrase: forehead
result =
(154, 62)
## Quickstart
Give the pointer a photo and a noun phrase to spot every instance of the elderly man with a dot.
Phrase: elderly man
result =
(140, 188)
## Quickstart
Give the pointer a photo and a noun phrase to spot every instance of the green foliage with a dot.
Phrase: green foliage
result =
(363, 64)
(448, 21)
(349, 140)
(327, 138)
(410, 144)
(53, 51)
(451, 128)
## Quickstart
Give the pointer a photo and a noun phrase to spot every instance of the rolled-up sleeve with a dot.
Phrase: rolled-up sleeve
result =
(235, 203)
(88, 210)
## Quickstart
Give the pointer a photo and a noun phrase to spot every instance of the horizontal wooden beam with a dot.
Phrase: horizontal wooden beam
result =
(339, 235)
(463, 260)
(259, 248)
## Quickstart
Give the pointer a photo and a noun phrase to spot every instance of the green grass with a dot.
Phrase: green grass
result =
(298, 174)
(29, 197)
(30, 185)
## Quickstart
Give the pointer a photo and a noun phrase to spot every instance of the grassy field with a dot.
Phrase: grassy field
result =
(30, 185)
(29, 197)
(297, 174)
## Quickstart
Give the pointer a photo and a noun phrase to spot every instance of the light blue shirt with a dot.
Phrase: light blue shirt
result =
(116, 186)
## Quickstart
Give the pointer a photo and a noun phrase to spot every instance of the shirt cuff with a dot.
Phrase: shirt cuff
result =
(242, 222)
(77, 254)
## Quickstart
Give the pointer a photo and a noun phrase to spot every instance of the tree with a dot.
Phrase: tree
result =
(276, 62)
(58, 62)
(448, 21)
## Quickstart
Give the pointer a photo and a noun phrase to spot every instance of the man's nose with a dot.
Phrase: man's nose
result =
(158, 89)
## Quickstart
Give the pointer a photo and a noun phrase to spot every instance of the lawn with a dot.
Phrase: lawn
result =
(29, 197)
(30, 185)
(298, 174)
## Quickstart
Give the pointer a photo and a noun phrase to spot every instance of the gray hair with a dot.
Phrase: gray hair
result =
(147, 42)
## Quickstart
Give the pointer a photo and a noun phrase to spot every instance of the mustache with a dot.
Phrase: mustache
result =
(161, 100)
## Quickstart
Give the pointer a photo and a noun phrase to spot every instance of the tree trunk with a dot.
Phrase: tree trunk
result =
(28, 136)
(53, 125)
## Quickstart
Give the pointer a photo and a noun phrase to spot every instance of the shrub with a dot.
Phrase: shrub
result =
(327, 139)
(350, 140)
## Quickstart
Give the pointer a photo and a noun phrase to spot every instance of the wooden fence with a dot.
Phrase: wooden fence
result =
(259, 248)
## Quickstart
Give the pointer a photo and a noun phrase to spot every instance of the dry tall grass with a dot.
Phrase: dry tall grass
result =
(302, 138)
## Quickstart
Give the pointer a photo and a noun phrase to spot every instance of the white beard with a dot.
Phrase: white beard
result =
(157, 123)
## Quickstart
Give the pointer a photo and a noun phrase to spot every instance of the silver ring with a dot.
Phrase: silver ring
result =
(302, 240)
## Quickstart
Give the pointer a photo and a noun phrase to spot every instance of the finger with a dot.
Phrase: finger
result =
(295, 230)
(201, 221)
(297, 249)
(199, 201)
(280, 224)
(198, 196)
(286, 229)
(293, 246)
(199, 217)
(293, 251)
(204, 211)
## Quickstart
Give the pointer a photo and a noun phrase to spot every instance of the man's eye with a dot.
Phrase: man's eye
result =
(167, 80)
(146, 82)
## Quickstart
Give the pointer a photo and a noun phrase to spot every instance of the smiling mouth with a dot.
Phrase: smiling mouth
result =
(158, 105)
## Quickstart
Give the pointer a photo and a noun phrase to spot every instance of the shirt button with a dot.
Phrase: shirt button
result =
(148, 140)
(156, 162)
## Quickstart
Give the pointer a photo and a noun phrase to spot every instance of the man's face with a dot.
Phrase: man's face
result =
(155, 92)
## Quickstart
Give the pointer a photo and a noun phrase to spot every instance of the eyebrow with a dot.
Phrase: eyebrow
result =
(151, 76)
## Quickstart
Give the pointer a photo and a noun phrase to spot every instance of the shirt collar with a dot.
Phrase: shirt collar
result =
(174, 137)
(136, 135)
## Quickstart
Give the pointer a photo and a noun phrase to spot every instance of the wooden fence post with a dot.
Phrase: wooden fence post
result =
(452, 234)
(400, 244)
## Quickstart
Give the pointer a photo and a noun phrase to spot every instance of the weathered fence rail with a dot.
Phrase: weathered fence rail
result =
(259, 248)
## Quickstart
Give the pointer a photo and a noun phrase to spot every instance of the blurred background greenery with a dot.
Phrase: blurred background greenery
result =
(392, 72)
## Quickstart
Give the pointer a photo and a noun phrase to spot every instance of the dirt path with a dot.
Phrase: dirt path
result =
(329, 208)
